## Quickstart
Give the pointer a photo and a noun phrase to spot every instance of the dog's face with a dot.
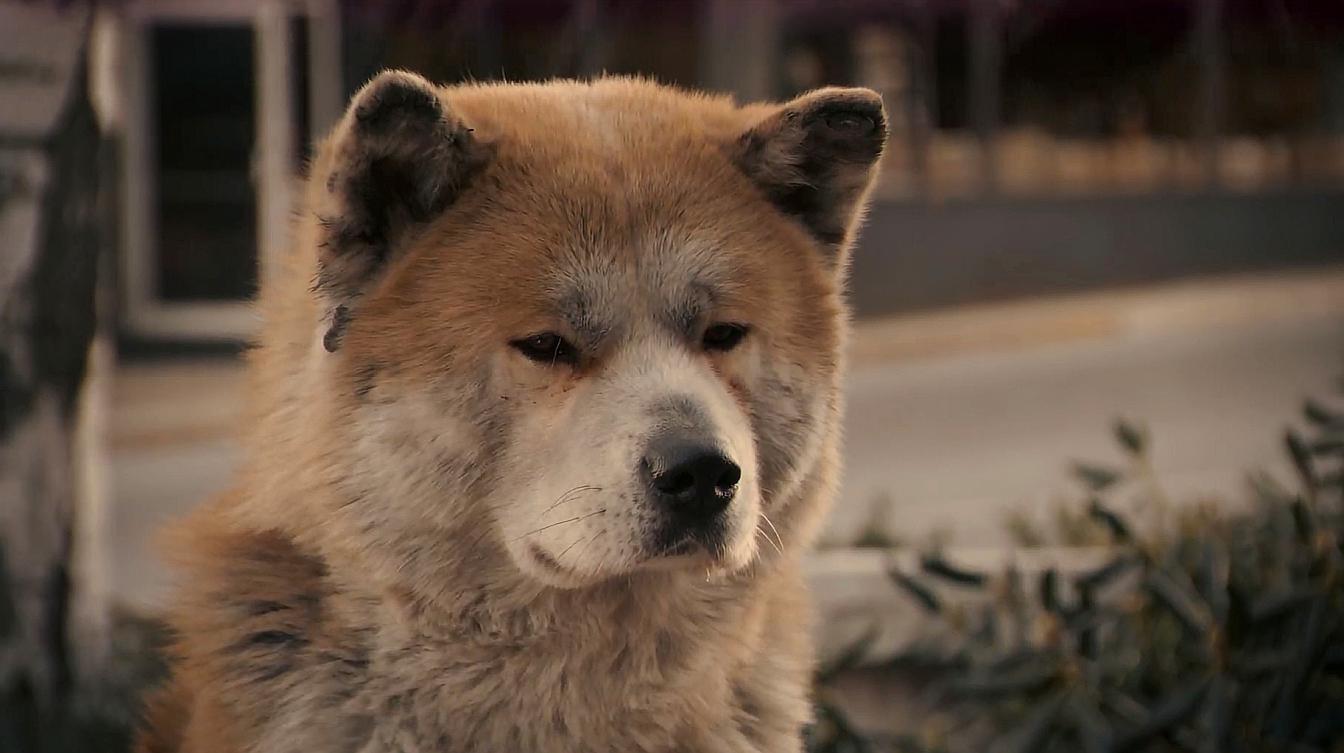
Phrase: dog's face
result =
(604, 317)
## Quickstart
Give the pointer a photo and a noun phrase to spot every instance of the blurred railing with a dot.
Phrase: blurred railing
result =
(1086, 97)
(1049, 97)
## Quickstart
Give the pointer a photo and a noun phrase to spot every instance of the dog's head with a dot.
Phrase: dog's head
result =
(602, 319)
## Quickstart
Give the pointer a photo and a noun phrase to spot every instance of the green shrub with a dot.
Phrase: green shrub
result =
(1217, 632)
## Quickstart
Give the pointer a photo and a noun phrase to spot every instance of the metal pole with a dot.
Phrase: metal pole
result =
(274, 162)
(589, 37)
(326, 80)
(1212, 87)
(985, 71)
(740, 41)
(923, 96)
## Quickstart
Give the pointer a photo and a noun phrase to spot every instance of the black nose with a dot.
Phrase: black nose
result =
(694, 481)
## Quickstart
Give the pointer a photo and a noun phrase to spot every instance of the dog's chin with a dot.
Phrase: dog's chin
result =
(686, 556)
(689, 554)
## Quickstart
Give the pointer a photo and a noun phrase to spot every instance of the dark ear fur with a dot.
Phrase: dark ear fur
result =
(396, 160)
(814, 158)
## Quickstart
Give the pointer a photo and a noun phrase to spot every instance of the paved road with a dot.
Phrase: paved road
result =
(954, 444)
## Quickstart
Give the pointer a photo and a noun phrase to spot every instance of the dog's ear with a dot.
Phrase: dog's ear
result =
(814, 158)
(397, 159)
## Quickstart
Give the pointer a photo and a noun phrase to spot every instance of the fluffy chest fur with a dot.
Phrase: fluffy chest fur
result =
(282, 650)
(578, 687)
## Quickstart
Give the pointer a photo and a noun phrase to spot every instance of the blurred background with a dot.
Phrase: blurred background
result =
(1089, 210)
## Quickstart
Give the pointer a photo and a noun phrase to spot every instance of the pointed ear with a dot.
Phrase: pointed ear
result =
(815, 158)
(397, 159)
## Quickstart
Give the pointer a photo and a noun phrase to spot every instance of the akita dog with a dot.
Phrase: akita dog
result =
(545, 410)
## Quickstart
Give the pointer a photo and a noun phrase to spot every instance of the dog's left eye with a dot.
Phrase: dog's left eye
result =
(723, 337)
(547, 348)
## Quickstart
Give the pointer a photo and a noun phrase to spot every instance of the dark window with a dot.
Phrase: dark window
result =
(204, 117)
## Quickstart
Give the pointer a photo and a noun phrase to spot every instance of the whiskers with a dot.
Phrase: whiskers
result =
(565, 551)
(570, 496)
(777, 542)
(549, 526)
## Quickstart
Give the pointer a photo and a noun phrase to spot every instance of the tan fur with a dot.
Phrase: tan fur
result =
(356, 592)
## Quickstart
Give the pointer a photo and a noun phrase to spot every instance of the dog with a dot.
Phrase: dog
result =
(543, 414)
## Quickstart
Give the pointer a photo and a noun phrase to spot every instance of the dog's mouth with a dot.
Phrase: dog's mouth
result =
(701, 548)
(684, 547)
(697, 547)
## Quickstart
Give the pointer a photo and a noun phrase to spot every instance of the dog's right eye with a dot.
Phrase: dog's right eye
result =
(547, 348)
(724, 337)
